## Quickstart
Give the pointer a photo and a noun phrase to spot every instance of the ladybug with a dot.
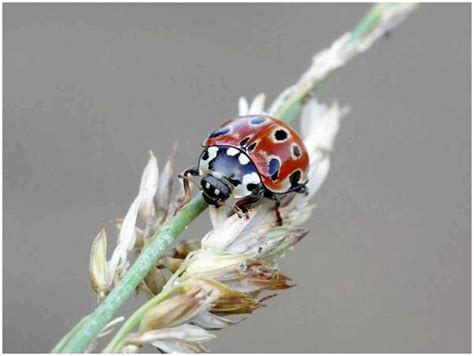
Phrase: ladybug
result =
(249, 158)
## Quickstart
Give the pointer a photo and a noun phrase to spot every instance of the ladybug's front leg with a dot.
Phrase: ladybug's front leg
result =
(242, 206)
(194, 171)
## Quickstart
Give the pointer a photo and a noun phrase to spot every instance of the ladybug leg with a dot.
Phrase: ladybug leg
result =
(299, 188)
(241, 212)
(242, 206)
(194, 171)
(276, 207)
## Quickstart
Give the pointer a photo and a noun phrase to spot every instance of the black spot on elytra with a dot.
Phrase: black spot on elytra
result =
(220, 132)
(257, 120)
(205, 155)
(296, 151)
(274, 168)
(280, 135)
(295, 177)
(251, 187)
(251, 147)
(244, 141)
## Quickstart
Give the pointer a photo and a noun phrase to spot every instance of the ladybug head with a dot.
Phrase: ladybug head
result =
(215, 191)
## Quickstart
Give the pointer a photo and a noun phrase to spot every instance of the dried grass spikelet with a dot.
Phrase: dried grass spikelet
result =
(176, 310)
(151, 209)
(235, 262)
(98, 265)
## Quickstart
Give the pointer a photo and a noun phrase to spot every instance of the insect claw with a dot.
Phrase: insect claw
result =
(240, 213)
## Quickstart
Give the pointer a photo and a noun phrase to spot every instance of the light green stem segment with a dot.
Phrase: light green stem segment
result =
(60, 345)
(84, 333)
(370, 20)
(87, 332)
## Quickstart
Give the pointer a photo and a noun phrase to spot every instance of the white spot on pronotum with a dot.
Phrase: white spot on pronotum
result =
(208, 156)
(212, 152)
(208, 185)
(217, 191)
(243, 159)
(231, 151)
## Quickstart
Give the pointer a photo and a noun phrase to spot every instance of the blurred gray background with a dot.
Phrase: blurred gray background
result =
(90, 88)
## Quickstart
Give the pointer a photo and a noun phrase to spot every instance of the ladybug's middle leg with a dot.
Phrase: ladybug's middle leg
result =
(194, 171)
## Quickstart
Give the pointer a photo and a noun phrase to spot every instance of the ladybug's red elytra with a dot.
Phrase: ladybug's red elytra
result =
(248, 158)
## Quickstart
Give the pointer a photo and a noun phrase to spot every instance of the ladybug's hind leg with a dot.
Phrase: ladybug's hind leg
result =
(194, 171)
(299, 188)
(276, 206)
